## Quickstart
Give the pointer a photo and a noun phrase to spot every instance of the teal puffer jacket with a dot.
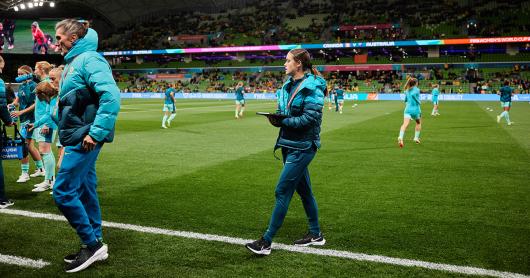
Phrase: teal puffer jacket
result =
(89, 99)
(301, 130)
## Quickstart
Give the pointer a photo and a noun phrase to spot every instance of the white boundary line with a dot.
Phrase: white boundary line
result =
(305, 250)
(8, 259)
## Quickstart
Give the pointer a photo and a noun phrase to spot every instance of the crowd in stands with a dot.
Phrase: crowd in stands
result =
(450, 81)
(282, 22)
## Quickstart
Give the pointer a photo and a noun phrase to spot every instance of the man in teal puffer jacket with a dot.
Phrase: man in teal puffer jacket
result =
(89, 102)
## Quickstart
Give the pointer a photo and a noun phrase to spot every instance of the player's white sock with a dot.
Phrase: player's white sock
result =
(507, 116)
(241, 111)
(164, 119)
(171, 117)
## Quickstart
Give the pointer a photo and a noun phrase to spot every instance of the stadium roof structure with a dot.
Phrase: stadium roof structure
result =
(120, 12)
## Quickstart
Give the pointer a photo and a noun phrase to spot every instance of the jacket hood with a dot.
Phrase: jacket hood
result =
(87, 43)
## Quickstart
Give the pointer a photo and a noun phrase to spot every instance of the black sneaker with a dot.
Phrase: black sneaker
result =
(70, 258)
(311, 239)
(260, 247)
(87, 256)
(6, 203)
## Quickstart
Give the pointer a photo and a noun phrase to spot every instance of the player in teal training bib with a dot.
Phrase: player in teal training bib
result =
(506, 93)
(26, 105)
(240, 100)
(412, 110)
(170, 111)
(435, 93)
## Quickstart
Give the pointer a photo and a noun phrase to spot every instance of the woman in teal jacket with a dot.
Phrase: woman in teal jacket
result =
(301, 100)
(89, 102)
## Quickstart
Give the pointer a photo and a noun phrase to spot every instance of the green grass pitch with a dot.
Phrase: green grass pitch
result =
(462, 197)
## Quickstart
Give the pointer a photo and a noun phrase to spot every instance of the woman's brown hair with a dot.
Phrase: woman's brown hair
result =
(46, 91)
(302, 56)
(26, 69)
(411, 82)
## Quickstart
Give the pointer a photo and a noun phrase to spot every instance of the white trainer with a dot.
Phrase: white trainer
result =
(24, 177)
(43, 186)
(38, 173)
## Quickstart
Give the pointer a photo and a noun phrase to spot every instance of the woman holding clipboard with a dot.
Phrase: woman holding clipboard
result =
(299, 116)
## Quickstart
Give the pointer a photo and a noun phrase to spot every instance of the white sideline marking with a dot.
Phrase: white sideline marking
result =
(7, 259)
(306, 250)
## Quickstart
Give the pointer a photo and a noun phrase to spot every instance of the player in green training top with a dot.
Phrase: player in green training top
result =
(169, 109)
(506, 93)
(435, 93)
(240, 100)
(412, 110)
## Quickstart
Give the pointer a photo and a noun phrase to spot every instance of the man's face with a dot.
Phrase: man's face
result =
(64, 41)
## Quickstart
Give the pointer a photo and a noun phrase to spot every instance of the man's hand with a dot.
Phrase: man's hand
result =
(30, 127)
(89, 143)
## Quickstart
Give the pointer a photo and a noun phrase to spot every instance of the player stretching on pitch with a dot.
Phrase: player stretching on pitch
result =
(240, 100)
(412, 110)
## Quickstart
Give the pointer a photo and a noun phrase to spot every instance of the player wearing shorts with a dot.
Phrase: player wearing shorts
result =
(412, 110)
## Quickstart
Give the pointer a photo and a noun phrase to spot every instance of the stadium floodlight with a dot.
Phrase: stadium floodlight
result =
(52, 4)
(41, 3)
(16, 9)
(22, 6)
(30, 5)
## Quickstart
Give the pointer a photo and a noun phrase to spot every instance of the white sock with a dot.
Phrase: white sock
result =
(164, 119)
(172, 117)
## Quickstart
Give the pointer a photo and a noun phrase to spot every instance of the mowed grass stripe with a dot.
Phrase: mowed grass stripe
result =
(291, 248)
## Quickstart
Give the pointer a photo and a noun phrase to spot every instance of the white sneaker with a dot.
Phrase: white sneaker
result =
(417, 140)
(11, 47)
(5, 204)
(164, 126)
(498, 119)
(38, 173)
(510, 123)
(24, 177)
(43, 186)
